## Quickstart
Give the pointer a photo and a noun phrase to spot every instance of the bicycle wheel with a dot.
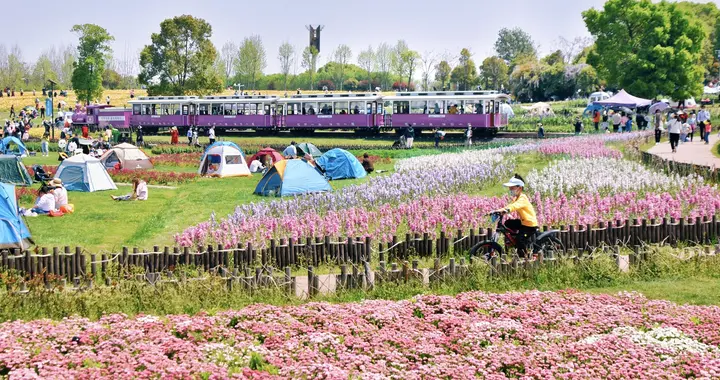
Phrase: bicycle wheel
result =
(551, 247)
(486, 250)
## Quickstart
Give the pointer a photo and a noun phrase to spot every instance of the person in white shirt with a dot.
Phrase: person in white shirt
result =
(674, 129)
(71, 147)
(616, 121)
(290, 151)
(140, 192)
(211, 135)
(45, 203)
(59, 192)
(256, 166)
(702, 117)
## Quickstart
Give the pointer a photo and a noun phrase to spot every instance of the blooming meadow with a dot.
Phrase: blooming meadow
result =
(472, 335)
(177, 159)
(152, 176)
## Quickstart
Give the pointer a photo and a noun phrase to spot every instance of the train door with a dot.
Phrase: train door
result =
(492, 114)
(279, 121)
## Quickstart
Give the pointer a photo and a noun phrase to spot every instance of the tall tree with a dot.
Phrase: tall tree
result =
(251, 60)
(180, 59)
(467, 72)
(63, 60)
(571, 49)
(383, 57)
(286, 55)
(442, 73)
(93, 51)
(366, 60)
(228, 56)
(342, 56)
(410, 59)
(427, 60)
(309, 62)
(17, 74)
(494, 73)
(397, 61)
(648, 49)
(514, 43)
(43, 71)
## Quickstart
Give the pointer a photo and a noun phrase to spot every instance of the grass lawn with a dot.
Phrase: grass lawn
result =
(695, 291)
(102, 224)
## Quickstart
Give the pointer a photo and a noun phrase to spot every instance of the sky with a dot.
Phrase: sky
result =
(427, 25)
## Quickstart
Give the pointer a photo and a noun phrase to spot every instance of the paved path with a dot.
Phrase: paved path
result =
(695, 152)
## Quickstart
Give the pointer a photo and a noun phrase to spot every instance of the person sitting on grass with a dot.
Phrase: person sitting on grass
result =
(256, 166)
(140, 192)
(45, 202)
(59, 192)
(367, 164)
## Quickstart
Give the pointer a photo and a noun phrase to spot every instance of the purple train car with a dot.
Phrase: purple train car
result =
(99, 116)
(155, 112)
(446, 110)
(236, 112)
(330, 111)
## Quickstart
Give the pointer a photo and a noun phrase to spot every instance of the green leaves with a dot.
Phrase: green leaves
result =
(648, 49)
(180, 59)
(93, 51)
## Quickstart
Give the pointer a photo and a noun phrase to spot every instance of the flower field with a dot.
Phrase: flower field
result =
(426, 195)
(513, 335)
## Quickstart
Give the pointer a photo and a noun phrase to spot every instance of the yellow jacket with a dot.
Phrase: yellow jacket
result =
(525, 210)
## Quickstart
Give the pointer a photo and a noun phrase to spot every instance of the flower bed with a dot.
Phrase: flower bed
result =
(512, 335)
(177, 159)
(605, 176)
(152, 176)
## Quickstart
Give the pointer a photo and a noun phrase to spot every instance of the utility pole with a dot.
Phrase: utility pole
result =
(52, 106)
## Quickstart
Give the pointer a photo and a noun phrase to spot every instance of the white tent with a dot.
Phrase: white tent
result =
(84, 173)
(129, 156)
(223, 161)
(507, 110)
(712, 90)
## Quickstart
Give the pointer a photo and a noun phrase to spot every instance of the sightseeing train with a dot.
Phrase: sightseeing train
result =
(480, 110)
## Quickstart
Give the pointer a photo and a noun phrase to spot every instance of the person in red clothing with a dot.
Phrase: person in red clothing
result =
(174, 135)
(596, 119)
(85, 132)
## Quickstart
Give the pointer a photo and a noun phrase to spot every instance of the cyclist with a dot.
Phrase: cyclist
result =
(527, 224)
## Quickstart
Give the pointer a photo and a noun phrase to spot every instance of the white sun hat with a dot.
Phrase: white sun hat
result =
(514, 182)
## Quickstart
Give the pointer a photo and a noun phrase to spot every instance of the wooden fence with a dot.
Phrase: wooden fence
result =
(74, 263)
(668, 166)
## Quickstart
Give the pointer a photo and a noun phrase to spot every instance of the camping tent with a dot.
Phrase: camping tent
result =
(506, 109)
(339, 163)
(292, 177)
(11, 145)
(223, 143)
(223, 161)
(309, 148)
(623, 99)
(129, 156)
(13, 232)
(13, 171)
(264, 153)
(711, 90)
(84, 173)
(539, 109)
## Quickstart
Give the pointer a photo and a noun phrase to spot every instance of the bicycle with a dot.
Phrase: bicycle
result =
(544, 243)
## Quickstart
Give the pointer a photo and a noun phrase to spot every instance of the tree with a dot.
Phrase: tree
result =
(428, 65)
(514, 43)
(466, 72)
(251, 60)
(494, 73)
(648, 49)
(286, 55)
(228, 56)
(111, 79)
(442, 73)
(571, 49)
(180, 59)
(93, 50)
(342, 55)
(410, 60)
(43, 71)
(63, 60)
(16, 68)
(397, 62)
(309, 62)
(708, 16)
(366, 60)
(383, 57)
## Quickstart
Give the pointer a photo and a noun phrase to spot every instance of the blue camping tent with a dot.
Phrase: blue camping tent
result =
(339, 164)
(13, 232)
(222, 143)
(292, 177)
(6, 146)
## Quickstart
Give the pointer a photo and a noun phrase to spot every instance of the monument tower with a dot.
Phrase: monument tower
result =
(315, 36)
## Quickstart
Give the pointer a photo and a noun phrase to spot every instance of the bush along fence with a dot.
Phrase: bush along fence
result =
(247, 262)
(668, 166)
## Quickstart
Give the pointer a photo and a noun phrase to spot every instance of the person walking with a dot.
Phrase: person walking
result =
(44, 147)
(578, 125)
(692, 122)
(195, 137)
(189, 136)
(409, 136)
(596, 120)
(658, 126)
(541, 131)
(708, 130)
(674, 127)
(174, 136)
(702, 117)
(12, 111)
(438, 136)
(616, 121)
(468, 137)
(211, 135)
(140, 140)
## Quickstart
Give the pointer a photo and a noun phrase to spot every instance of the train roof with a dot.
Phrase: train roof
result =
(238, 99)
(162, 99)
(447, 97)
(444, 93)
(350, 97)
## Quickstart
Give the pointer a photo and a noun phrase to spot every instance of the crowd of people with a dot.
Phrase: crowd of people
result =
(682, 126)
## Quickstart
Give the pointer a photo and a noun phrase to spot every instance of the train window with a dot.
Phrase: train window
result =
(217, 109)
(437, 107)
(293, 108)
(341, 108)
(326, 108)
(137, 109)
(145, 109)
(379, 109)
(402, 107)
(185, 109)
(418, 107)
(155, 109)
(229, 109)
(203, 109)
(260, 109)
(310, 108)
(357, 108)
(165, 109)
